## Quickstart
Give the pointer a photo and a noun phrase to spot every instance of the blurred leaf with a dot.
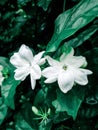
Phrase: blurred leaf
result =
(88, 111)
(44, 4)
(9, 85)
(3, 110)
(92, 54)
(39, 98)
(28, 115)
(22, 2)
(21, 124)
(67, 102)
(2, 2)
(71, 21)
(60, 116)
(46, 126)
(96, 125)
(92, 59)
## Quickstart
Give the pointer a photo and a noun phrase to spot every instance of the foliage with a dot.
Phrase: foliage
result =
(53, 26)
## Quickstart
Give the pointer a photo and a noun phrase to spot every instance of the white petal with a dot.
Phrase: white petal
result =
(26, 53)
(65, 56)
(33, 81)
(65, 81)
(37, 57)
(1, 78)
(52, 62)
(21, 73)
(35, 72)
(42, 61)
(86, 71)
(51, 80)
(18, 61)
(76, 61)
(1, 67)
(50, 72)
(81, 76)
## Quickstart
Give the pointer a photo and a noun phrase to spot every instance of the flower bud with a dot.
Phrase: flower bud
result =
(35, 110)
(49, 111)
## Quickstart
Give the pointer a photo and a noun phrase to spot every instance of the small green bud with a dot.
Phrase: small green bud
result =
(49, 111)
(35, 110)
(84, 65)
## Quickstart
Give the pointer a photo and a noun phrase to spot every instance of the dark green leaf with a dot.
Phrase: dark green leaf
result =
(67, 102)
(8, 90)
(9, 84)
(46, 126)
(39, 98)
(28, 114)
(71, 21)
(21, 124)
(3, 110)
(2, 2)
(82, 37)
(44, 4)
(60, 116)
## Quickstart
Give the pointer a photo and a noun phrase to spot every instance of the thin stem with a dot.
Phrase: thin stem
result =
(64, 4)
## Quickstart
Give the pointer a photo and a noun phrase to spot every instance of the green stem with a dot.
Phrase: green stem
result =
(64, 4)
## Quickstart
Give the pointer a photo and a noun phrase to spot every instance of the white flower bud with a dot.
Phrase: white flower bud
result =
(49, 111)
(35, 110)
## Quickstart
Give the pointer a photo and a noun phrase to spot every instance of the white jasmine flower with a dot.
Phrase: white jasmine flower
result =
(1, 76)
(67, 71)
(26, 64)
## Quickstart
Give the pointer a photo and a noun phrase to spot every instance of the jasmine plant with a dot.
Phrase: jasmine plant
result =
(49, 65)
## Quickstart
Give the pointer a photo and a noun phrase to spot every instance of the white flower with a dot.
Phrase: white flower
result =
(1, 76)
(26, 64)
(67, 71)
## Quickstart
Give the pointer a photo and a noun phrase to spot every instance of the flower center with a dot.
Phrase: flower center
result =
(65, 67)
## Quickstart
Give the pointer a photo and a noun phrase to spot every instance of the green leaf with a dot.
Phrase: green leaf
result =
(39, 98)
(71, 21)
(3, 110)
(2, 2)
(44, 126)
(92, 59)
(60, 116)
(67, 102)
(28, 115)
(21, 124)
(8, 90)
(44, 4)
(9, 85)
(82, 36)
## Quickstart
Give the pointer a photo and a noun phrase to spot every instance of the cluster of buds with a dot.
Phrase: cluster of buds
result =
(42, 114)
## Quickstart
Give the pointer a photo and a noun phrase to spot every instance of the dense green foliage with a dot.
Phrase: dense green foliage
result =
(53, 26)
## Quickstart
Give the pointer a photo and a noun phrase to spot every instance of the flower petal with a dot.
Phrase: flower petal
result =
(35, 71)
(21, 73)
(76, 61)
(51, 80)
(86, 71)
(33, 82)
(37, 57)
(81, 76)
(52, 62)
(1, 78)
(18, 61)
(65, 56)
(42, 61)
(65, 81)
(1, 67)
(26, 53)
(50, 72)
